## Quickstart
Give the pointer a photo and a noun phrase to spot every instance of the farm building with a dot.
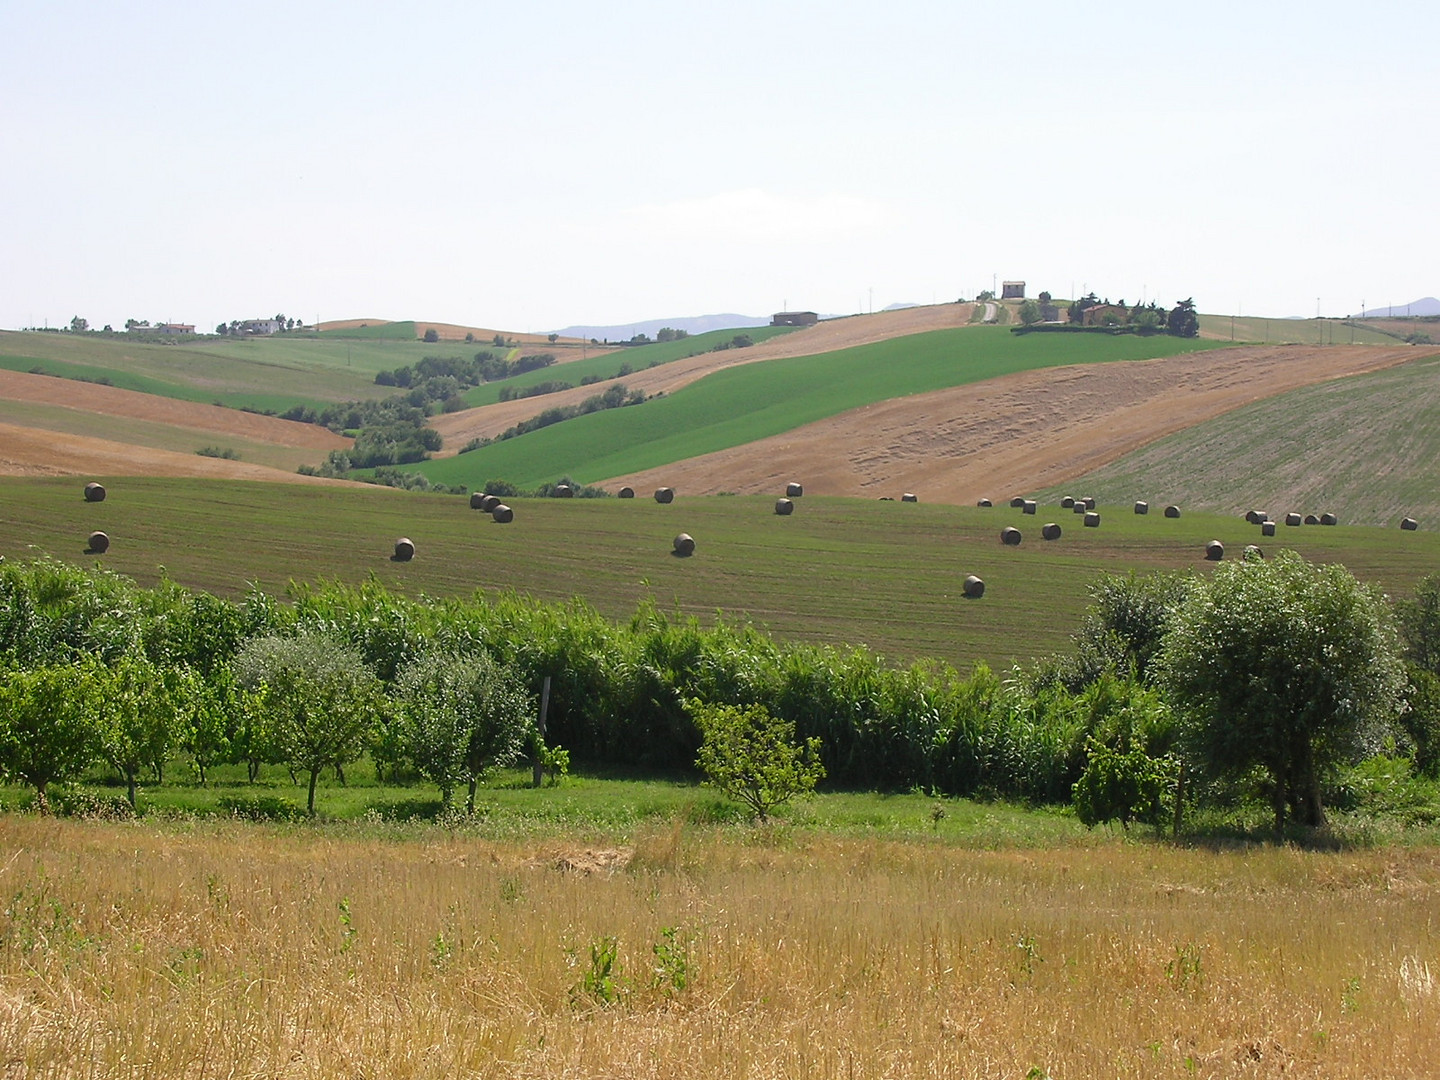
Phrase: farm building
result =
(794, 318)
(260, 326)
(1012, 290)
(173, 328)
(1105, 315)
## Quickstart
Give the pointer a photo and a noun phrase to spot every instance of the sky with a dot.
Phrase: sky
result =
(529, 166)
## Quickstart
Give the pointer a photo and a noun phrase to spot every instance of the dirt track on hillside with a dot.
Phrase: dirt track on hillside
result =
(26, 451)
(112, 401)
(491, 420)
(1014, 434)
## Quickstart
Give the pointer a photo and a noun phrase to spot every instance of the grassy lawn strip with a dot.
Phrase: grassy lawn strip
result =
(740, 405)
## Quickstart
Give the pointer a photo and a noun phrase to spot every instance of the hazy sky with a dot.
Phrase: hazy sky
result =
(527, 166)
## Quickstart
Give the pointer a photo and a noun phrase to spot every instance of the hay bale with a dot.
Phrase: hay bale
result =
(684, 545)
(562, 491)
(1010, 536)
(1267, 528)
(1311, 519)
(489, 502)
(627, 492)
(909, 496)
(1089, 502)
(503, 514)
(1068, 502)
(1028, 507)
(99, 543)
(664, 495)
(1292, 519)
(404, 549)
(94, 492)
(1329, 519)
(1409, 524)
(1251, 552)
(1214, 551)
(974, 587)
(1050, 531)
(1172, 511)
(1255, 517)
(794, 490)
(1092, 519)
(784, 507)
(984, 502)
(477, 499)
(1017, 502)
(1142, 507)
(1079, 507)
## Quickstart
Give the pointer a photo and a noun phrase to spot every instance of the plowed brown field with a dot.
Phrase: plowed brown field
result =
(1014, 434)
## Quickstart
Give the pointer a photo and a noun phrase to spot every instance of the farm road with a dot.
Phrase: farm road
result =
(1015, 434)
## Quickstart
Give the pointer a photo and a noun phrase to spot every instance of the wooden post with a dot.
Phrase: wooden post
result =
(539, 770)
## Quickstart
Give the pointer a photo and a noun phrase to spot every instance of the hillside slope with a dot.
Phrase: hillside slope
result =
(1018, 433)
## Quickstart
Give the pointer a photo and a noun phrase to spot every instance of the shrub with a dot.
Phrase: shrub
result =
(753, 758)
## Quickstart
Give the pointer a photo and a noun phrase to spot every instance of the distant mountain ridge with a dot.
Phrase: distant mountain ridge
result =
(693, 324)
(1416, 308)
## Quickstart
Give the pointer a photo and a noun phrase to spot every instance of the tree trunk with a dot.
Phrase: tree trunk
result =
(310, 805)
(470, 799)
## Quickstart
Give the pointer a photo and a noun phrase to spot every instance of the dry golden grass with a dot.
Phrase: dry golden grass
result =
(236, 950)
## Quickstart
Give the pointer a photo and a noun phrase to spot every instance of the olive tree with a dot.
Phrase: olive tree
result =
(1286, 666)
(318, 697)
(460, 717)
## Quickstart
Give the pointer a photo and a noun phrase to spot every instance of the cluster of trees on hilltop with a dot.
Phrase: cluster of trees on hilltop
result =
(484, 367)
(1265, 681)
(1180, 321)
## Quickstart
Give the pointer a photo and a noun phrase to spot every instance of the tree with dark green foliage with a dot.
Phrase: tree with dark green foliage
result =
(1419, 621)
(753, 757)
(143, 717)
(1182, 320)
(462, 717)
(1286, 666)
(1029, 313)
(319, 698)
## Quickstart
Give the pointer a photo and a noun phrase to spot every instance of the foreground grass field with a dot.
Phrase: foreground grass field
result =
(202, 949)
(1367, 446)
(855, 571)
(743, 404)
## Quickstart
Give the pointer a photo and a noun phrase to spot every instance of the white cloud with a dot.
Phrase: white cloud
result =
(752, 215)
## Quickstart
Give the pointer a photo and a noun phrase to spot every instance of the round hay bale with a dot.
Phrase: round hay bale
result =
(1172, 511)
(1092, 519)
(1255, 517)
(784, 507)
(1409, 524)
(1214, 551)
(503, 514)
(99, 543)
(563, 491)
(1089, 502)
(910, 496)
(794, 490)
(477, 499)
(1292, 519)
(1068, 502)
(1329, 519)
(1142, 507)
(1029, 507)
(684, 545)
(1267, 528)
(1050, 531)
(1251, 552)
(974, 587)
(627, 492)
(664, 495)
(1010, 536)
(489, 502)
(1311, 519)
(94, 492)
(1017, 502)
(1079, 507)
(984, 502)
(404, 549)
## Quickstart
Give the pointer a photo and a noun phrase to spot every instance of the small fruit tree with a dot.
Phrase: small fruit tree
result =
(753, 757)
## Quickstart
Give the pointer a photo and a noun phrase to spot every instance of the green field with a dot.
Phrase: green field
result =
(607, 366)
(1366, 448)
(884, 574)
(742, 404)
(385, 331)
